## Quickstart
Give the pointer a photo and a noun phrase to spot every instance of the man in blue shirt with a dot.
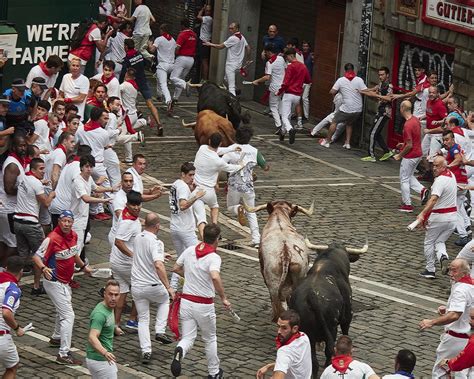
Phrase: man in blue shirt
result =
(273, 37)
(22, 105)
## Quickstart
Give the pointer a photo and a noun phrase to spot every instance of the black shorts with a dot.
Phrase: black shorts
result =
(204, 51)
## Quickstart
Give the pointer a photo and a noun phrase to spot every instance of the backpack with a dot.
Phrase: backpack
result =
(79, 34)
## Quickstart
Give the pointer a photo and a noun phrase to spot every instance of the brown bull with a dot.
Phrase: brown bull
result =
(283, 253)
(207, 123)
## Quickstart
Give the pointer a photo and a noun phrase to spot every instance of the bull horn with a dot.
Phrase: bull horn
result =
(253, 209)
(363, 250)
(309, 245)
(190, 125)
(194, 85)
(307, 212)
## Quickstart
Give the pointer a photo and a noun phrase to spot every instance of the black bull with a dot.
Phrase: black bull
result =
(221, 101)
(324, 300)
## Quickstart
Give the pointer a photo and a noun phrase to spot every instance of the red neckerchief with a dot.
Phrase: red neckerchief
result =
(130, 53)
(341, 363)
(23, 161)
(290, 340)
(76, 158)
(91, 125)
(458, 130)
(421, 79)
(238, 35)
(93, 101)
(466, 279)
(62, 148)
(133, 83)
(126, 215)
(31, 173)
(273, 58)
(44, 68)
(446, 172)
(107, 80)
(350, 75)
(204, 249)
(7, 277)
(67, 237)
(167, 36)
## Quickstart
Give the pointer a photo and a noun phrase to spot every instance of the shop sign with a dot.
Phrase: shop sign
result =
(457, 15)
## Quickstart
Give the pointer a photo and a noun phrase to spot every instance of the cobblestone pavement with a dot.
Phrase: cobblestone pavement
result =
(353, 201)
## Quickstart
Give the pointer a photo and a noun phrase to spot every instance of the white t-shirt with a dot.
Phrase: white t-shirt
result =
(113, 87)
(27, 203)
(62, 201)
(419, 107)
(57, 157)
(277, 71)
(117, 49)
(395, 376)
(43, 141)
(79, 207)
(112, 128)
(356, 370)
(460, 300)
(142, 23)
(165, 51)
(445, 187)
(127, 230)
(294, 359)
(206, 29)
(181, 221)
(75, 87)
(37, 72)
(464, 142)
(118, 204)
(349, 89)
(137, 180)
(147, 249)
(208, 165)
(9, 201)
(97, 139)
(197, 272)
(235, 50)
(129, 94)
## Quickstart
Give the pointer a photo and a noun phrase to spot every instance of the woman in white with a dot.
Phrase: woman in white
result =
(75, 86)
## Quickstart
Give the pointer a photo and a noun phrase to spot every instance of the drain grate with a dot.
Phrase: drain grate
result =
(231, 246)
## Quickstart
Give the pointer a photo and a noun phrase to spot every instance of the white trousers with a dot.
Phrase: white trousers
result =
(101, 369)
(182, 66)
(162, 72)
(98, 171)
(274, 102)
(143, 296)
(112, 166)
(8, 353)
(60, 294)
(81, 232)
(210, 198)
(408, 180)
(288, 103)
(126, 138)
(448, 348)
(430, 145)
(230, 77)
(462, 219)
(192, 316)
(141, 42)
(234, 199)
(305, 99)
(437, 233)
(181, 241)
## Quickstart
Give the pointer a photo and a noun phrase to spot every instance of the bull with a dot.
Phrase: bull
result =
(282, 253)
(207, 123)
(324, 298)
(217, 99)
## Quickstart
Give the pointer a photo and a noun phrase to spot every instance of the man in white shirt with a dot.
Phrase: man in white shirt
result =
(200, 265)
(208, 165)
(238, 50)
(108, 78)
(293, 359)
(455, 317)
(348, 86)
(58, 158)
(43, 135)
(116, 46)
(137, 169)
(275, 73)
(150, 285)
(405, 362)
(119, 202)
(182, 223)
(75, 86)
(344, 365)
(49, 70)
(28, 231)
(121, 258)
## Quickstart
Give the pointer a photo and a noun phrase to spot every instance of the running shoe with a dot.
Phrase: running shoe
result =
(346, 146)
(163, 338)
(406, 208)
(386, 156)
(132, 324)
(176, 364)
(428, 274)
(241, 216)
(324, 143)
(292, 134)
(444, 263)
(146, 358)
(425, 195)
(68, 360)
(368, 159)
(141, 138)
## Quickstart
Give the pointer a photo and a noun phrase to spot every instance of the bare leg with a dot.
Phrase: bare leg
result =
(37, 276)
(119, 308)
(10, 373)
(201, 230)
(5, 252)
(133, 312)
(154, 113)
(348, 134)
(214, 215)
(332, 129)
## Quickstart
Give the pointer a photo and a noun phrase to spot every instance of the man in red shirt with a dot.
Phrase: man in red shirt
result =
(185, 52)
(410, 155)
(296, 75)
(435, 115)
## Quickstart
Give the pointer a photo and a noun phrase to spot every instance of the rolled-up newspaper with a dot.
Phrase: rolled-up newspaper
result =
(413, 225)
(28, 327)
(101, 273)
(234, 315)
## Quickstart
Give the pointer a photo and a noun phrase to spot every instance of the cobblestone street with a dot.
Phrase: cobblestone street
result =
(354, 200)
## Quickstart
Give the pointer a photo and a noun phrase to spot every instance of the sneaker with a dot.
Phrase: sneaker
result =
(256, 245)
(292, 134)
(386, 156)
(219, 375)
(160, 132)
(241, 216)
(428, 274)
(68, 360)
(88, 238)
(163, 338)
(169, 108)
(324, 143)
(444, 263)
(462, 241)
(406, 208)
(425, 195)
(346, 146)
(141, 138)
(101, 292)
(128, 161)
(101, 217)
(74, 284)
(278, 131)
(282, 135)
(299, 127)
(368, 159)
(132, 324)
(176, 363)
(38, 291)
(146, 358)
(187, 89)
(54, 342)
